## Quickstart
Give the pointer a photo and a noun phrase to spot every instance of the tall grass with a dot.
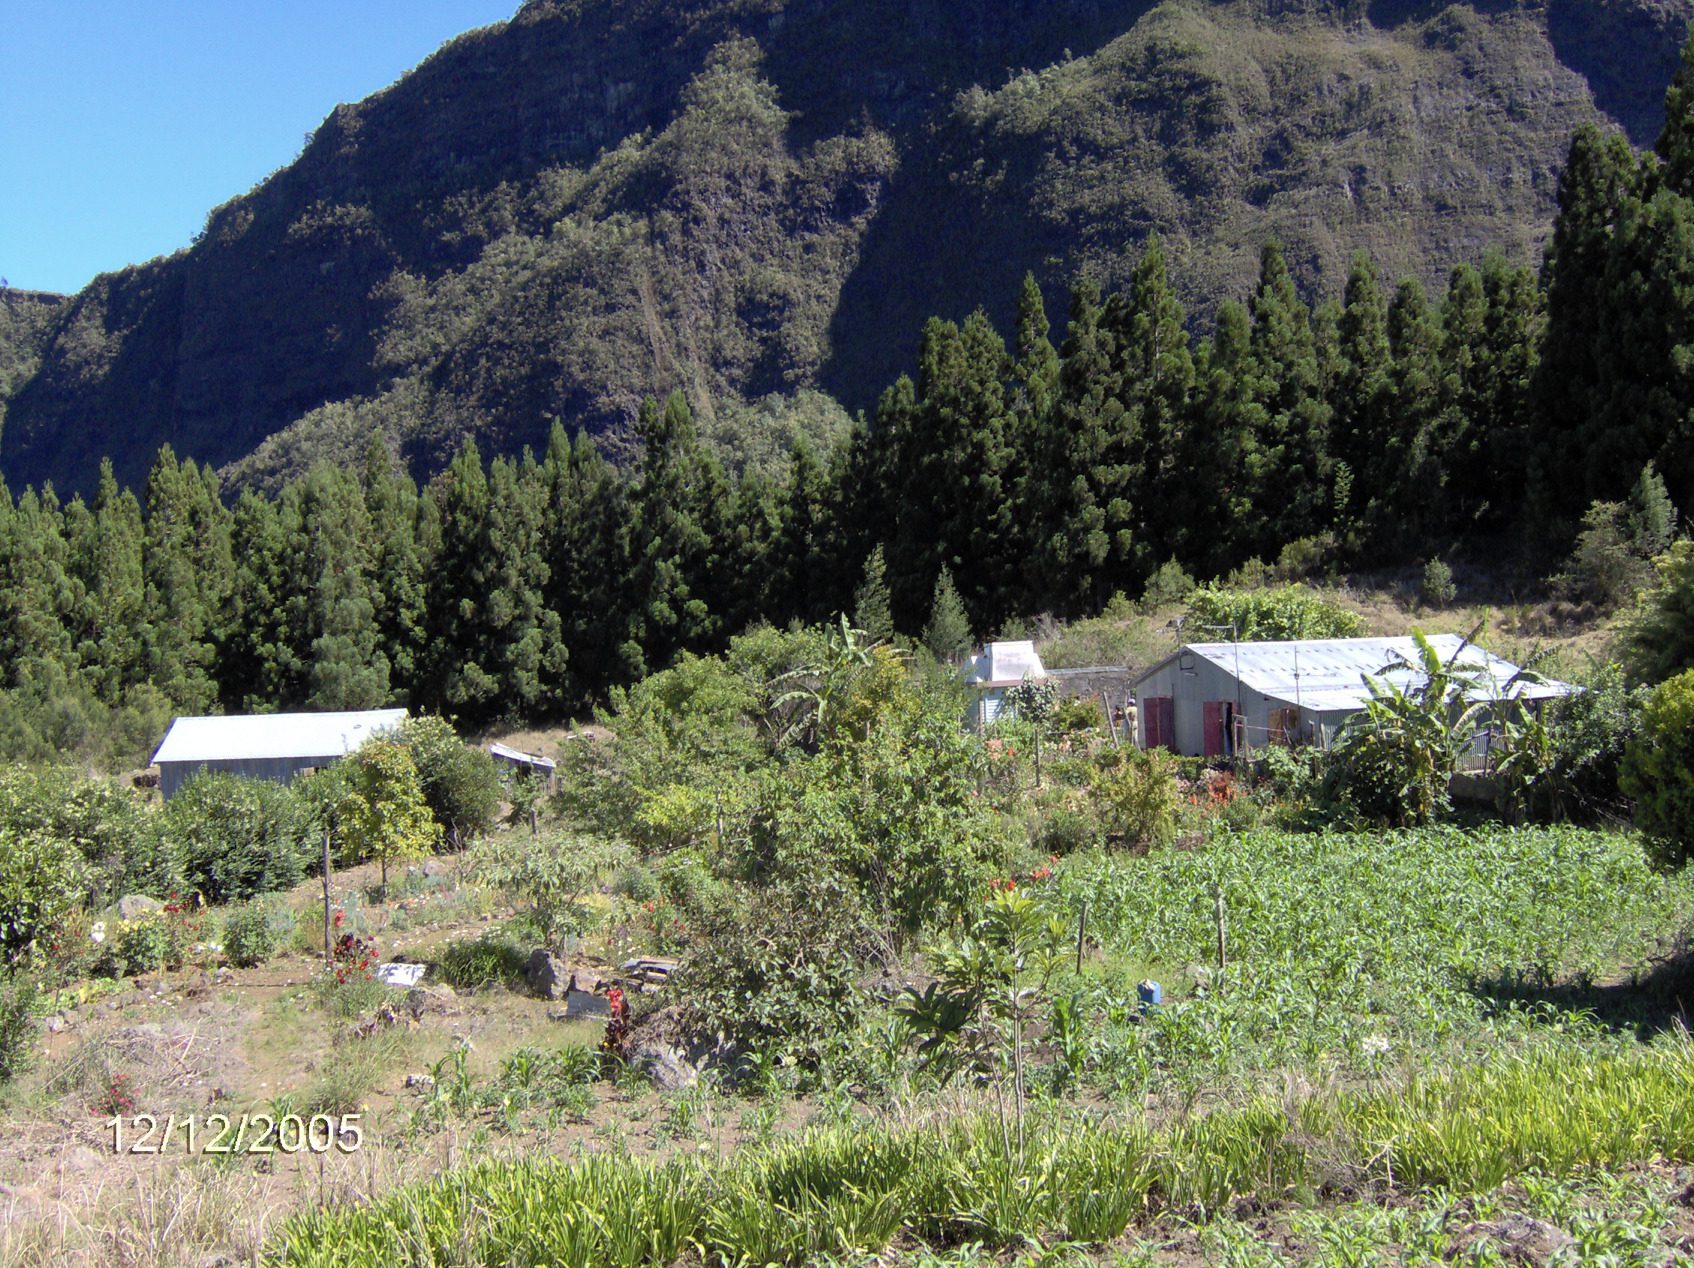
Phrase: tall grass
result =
(840, 1191)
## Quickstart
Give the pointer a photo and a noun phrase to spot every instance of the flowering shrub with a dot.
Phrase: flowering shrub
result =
(118, 1098)
(617, 1026)
(352, 957)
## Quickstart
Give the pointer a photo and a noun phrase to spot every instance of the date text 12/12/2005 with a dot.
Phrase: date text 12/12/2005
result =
(244, 1134)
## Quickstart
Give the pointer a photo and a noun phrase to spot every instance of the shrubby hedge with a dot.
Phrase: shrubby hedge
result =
(236, 838)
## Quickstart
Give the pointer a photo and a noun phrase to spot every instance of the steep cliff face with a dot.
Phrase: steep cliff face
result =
(556, 215)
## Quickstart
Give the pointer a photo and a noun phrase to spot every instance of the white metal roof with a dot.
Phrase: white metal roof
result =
(1005, 664)
(272, 735)
(1328, 675)
(518, 755)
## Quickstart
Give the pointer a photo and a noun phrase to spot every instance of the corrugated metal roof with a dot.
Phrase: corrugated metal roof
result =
(1328, 675)
(518, 755)
(1005, 664)
(272, 735)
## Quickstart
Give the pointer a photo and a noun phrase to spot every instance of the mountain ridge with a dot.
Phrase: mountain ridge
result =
(555, 216)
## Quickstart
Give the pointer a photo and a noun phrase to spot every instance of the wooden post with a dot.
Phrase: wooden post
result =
(1081, 929)
(328, 958)
(1111, 723)
(1223, 958)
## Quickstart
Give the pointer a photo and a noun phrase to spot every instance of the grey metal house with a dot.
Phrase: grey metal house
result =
(1218, 699)
(275, 746)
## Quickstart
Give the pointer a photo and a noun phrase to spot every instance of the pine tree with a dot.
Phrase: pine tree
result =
(1363, 395)
(800, 567)
(106, 559)
(1158, 380)
(1413, 460)
(262, 639)
(948, 632)
(345, 665)
(188, 572)
(588, 585)
(398, 563)
(1287, 460)
(954, 464)
(1651, 515)
(677, 535)
(1675, 146)
(1087, 536)
(871, 611)
(1598, 181)
(1213, 504)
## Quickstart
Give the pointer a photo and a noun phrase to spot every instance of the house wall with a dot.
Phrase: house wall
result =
(281, 770)
(1191, 681)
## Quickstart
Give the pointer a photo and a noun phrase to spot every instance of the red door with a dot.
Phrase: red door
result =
(1160, 712)
(1212, 728)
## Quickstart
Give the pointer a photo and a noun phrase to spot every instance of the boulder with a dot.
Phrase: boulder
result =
(135, 906)
(1518, 1239)
(585, 1005)
(666, 1065)
(548, 975)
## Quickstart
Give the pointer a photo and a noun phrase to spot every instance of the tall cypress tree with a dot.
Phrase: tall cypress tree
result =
(677, 536)
(188, 571)
(1287, 460)
(1410, 479)
(345, 666)
(1088, 536)
(398, 565)
(1158, 380)
(588, 584)
(1362, 395)
(1213, 503)
(106, 558)
(1598, 180)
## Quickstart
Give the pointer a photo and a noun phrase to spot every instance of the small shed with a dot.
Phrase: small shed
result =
(994, 671)
(1218, 699)
(520, 762)
(275, 746)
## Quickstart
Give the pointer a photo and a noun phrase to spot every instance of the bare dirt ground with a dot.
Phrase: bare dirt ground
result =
(213, 1039)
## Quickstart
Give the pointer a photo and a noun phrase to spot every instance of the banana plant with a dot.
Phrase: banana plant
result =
(1394, 759)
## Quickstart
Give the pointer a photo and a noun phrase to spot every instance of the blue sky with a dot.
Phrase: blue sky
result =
(123, 124)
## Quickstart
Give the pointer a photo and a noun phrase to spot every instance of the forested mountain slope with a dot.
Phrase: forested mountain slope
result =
(558, 215)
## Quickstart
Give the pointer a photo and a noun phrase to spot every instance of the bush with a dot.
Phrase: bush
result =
(1436, 588)
(41, 878)
(144, 945)
(460, 783)
(470, 964)
(1136, 796)
(1659, 632)
(772, 970)
(237, 838)
(254, 933)
(554, 873)
(1065, 831)
(1168, 586)
(384, 815)
(1658, 772)
(1589, 732)
(109, 825)
(1287, 773)
(1287, 612)
(17, 1023)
